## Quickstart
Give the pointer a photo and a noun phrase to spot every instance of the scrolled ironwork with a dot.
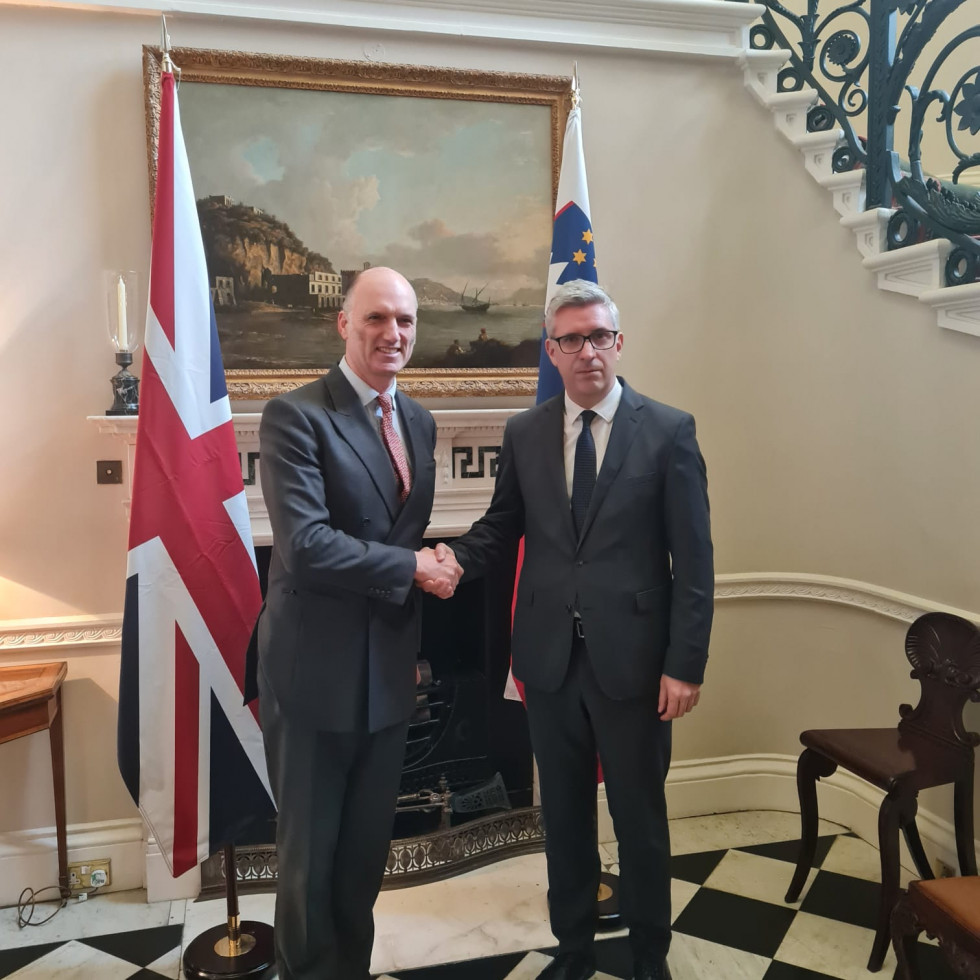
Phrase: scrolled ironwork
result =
(825, 54)
(878, 64)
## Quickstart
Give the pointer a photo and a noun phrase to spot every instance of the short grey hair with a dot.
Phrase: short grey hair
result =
(579, 292)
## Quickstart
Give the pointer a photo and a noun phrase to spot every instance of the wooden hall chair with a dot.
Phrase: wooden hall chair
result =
(929, 747)
(948, 910)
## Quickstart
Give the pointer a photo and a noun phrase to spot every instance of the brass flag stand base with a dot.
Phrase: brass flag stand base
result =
(238, 949)
(608, 916)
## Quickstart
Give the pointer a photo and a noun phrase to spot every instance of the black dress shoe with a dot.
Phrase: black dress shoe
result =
(653, 969)
(569, 966)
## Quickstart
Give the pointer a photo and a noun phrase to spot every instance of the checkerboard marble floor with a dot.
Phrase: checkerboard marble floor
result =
(730, 873)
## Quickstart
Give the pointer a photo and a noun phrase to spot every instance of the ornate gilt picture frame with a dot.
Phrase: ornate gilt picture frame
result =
(307, 170)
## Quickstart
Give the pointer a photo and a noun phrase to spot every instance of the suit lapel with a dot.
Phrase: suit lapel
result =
(357, 430)
(626, 424)
(408, 420)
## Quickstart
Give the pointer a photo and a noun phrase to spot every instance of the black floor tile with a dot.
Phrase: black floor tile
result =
(11, 960)
(695, 867)
(932, 963)
(788, 850)
(491, 968)
(145, 974)
(843, 898)
(614, 956)
(786, 971)
(733, 920)
(140, 946)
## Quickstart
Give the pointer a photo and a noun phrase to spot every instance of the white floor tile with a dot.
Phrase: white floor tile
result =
(698, 959)
(716, 832)
(754, 876)
(529, 967)
(681, 892)
(98, 916)
(178, 909)
(856, 857)
(834, 948)
(498, 909)
(75, 961)
(168, 964)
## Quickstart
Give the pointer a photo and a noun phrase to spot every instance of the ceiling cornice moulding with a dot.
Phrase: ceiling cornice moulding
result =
(706, 28)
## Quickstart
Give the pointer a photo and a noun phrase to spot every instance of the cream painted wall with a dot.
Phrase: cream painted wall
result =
(839, 422)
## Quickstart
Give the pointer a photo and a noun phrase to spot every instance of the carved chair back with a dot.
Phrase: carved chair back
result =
(944, 651)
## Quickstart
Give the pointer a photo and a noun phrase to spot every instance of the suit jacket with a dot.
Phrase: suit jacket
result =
(338, 635)
(640, 573)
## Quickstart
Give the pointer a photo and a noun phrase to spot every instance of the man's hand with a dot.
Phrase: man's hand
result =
(677, 698)
(438, 575)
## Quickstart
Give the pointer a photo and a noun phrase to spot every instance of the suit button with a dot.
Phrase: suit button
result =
(579, 564)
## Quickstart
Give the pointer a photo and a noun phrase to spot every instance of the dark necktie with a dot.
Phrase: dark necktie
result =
(395, 448)
(583, 476)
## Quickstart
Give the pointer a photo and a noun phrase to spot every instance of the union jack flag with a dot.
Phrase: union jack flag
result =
(189, 751)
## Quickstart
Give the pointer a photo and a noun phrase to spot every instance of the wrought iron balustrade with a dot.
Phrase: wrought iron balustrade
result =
(898, 79)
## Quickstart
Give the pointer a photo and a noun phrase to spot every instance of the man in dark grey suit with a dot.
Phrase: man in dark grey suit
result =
(612, 617)
(348, 476)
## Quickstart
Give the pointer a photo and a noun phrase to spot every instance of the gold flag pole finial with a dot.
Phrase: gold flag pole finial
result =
(576, 92)
(166, 63)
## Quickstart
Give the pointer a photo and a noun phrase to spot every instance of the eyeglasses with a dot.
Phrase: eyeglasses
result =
(572, 343)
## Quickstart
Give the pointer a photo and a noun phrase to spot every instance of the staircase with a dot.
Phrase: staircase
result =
(918, 270)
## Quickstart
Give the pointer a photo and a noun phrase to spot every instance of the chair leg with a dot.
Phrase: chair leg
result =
(914, 842)
(890, 818)
(811, 767)
(905, 929)
(963, 822)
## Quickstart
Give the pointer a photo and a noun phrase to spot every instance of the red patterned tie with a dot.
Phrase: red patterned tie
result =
(395, 448)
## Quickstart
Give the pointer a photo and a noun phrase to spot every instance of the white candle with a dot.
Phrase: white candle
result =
(122, 335)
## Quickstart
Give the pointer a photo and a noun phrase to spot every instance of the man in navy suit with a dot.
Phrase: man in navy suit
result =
(348, 476)
(612, 617)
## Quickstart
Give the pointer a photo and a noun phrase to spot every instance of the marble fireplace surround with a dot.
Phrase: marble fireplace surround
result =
(467, 444)
(466, 452)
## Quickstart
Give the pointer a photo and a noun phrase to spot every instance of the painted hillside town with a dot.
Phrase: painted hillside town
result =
(276, 302)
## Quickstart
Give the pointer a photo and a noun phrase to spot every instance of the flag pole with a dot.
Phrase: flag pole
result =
(236, 949)
(166, 64)
(608, 915)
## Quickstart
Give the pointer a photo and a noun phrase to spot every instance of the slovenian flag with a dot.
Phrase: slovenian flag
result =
(189, 751)
(572, 257)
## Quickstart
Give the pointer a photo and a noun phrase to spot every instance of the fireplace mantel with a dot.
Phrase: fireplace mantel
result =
(467, 444)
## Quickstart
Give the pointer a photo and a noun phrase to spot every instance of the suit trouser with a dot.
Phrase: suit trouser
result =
(568, 727)
(336, 797)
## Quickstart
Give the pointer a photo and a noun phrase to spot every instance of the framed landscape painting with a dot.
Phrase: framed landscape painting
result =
(307, 171)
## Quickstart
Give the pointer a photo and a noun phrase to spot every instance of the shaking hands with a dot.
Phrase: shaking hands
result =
(437, 571)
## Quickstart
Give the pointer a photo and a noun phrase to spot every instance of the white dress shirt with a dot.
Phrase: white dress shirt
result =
(369, 399)
(601, 427)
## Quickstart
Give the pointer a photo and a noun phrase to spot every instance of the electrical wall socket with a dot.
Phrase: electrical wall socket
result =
(943, 870)
(90, 874)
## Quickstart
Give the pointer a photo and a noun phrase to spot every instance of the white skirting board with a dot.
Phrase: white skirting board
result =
(29, 858)
(694, 787)
(768, 782)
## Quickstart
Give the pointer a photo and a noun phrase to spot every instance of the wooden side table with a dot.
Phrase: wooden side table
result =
(30, 701)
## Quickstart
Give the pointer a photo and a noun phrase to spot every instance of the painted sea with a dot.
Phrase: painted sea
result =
(275, 339)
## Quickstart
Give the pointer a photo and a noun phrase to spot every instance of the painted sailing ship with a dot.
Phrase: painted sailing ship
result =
(473, 304)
